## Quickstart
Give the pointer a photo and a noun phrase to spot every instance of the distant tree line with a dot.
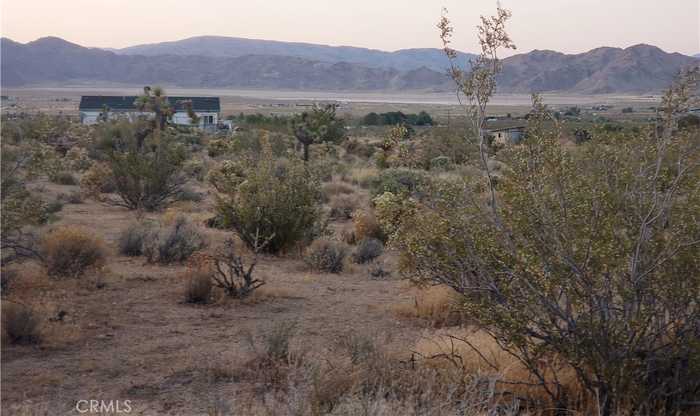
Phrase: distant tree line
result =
(397, 117)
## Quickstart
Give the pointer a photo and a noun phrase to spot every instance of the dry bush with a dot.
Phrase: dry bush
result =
(20, 324)
(96, 181)
(367, 250)
(367, 225)
(347, 234)
(173, 243)
(475, 352)
(131, 239)
(199, 286)
(342, 206)
(64, 178)
(332, 189)
(325, 255)
(274, 358)
(438, 305)
(363, 177)
(69, 251)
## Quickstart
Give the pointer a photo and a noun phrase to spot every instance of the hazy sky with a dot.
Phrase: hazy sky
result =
(565, 25)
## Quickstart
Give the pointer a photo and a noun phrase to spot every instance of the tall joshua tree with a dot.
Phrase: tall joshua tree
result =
(320, 125)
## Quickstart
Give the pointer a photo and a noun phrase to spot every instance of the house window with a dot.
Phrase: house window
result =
(208, 119)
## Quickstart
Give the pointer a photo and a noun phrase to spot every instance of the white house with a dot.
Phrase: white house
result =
(92, 108)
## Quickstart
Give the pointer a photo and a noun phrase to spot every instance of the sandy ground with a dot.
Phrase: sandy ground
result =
(128, 335)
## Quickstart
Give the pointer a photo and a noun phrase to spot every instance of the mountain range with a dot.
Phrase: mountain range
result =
(220, 62)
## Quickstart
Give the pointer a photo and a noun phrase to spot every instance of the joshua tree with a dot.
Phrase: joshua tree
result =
(320, 125)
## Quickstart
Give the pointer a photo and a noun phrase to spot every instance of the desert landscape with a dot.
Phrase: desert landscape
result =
(229, 226)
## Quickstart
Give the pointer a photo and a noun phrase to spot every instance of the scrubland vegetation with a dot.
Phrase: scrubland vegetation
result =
(298, 267)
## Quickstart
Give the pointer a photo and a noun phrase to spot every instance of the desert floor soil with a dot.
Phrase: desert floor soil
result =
(128, 335)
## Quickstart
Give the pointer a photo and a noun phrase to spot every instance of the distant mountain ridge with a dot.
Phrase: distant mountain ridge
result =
(51, 60)
(232, 47)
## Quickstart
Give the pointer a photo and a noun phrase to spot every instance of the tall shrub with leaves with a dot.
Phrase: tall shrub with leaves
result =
(145, 157)
(282, 206)
(588, 261)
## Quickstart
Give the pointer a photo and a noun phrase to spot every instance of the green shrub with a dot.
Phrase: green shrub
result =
(146, 170)
(70, 251)
(286, 208)
(399, 181)
(326, 256)
(367, 250)
(173, 243)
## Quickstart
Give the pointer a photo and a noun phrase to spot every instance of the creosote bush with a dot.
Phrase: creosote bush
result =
(325, 255)
(20, 324)
(367, 250)
(284, 208)
(400, 181)
(173, 243)
(70, 251)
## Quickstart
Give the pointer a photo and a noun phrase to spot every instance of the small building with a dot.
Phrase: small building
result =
(504, 133)
(92, 108)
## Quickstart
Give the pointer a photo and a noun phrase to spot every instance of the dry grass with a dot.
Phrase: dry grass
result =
(436, 305)
(363, 176)
(69, 251)
(475, 352)
(367, 225)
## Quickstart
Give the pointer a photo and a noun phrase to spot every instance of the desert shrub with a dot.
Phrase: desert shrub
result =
(571, 262)
(228, 269)
(325, 255)
(195, 168)
(173, 243)
(131, 239)
(367, 250)
(359, 148)
(440, 163)
(21, 211)
(332, 189)
(363, 177)
(145, 162)
(71, 198)
(342, 206)
(20, 324)
(78, 159)
(53, 207)
(97, 180)
(347, 235)
(285, 208)
(64, 178)
(70, 251)
(198, 287)
(189, 194)
(367, 225)
(219, 147)
(399, 181)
